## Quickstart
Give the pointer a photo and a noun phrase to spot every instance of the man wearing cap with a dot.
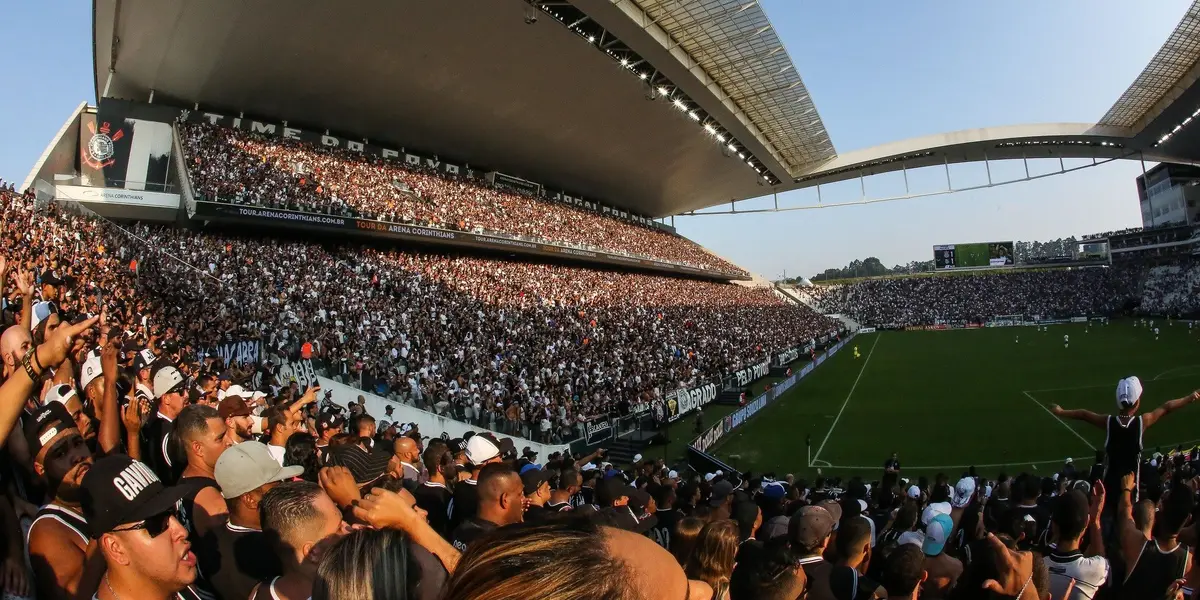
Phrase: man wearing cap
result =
(481, 451)
(567, 487)
(132, 517)
(944, 570)
(501, 502)
(329, 424)
(169, 388)
(853, 549)
(721, 500)
(1123, 444)
(237, 556)
(58, 537)
(65, 395)
(536, 484)
(91, 380)
(144, 388)
(239, 422)
(1074, 519)
(809, 532)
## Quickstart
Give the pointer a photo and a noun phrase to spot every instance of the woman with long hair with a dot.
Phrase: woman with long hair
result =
(683, 539)
(368, 564)
(712, 557)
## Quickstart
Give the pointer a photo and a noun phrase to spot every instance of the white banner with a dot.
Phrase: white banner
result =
(300, 371)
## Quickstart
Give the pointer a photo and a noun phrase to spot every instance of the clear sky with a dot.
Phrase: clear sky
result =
(878, 71)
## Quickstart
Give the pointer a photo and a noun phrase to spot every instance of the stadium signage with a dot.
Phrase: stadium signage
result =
(242, 351)
(866, 330)
(745, 376)
(222, 211)
(598, 429)
(408, 158)
(684, 400)
(713, 434)
(787, 356)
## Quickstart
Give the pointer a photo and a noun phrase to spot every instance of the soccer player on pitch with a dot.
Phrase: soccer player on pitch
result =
(856, 354)
(1066, 341)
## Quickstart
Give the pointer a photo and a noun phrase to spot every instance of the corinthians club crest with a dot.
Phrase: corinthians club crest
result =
(100, 149)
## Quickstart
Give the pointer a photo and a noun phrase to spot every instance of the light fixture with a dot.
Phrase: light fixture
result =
(731, 147)
(662, 91)
(592, 38)
(678, 103)
(709, 128)
(694, 116)
(642, 76)
(720, 138)
(624, 62)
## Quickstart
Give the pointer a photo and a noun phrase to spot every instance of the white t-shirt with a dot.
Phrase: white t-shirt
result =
(277, 452)
(1083, 574)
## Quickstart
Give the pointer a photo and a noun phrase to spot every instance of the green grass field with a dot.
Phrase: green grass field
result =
(945, 400)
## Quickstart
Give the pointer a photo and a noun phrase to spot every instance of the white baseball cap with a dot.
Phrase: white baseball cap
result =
(166, 380)
(1129, 391)
(914, 492)
(963, 491)
(60, 394)
(481, 449)
(710, 476)
(239, 391)
(588, 467)
(673, 475)
(90, 371)
(637, 458)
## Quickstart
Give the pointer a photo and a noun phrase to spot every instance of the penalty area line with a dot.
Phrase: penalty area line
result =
(1060, 421)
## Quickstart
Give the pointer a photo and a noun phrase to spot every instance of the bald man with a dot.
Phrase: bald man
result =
(501, 502)
(14, 343)
(405, 449)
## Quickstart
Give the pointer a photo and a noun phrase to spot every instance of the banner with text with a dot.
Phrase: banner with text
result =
(246, 351)
(683, 401)
(597, 429)
(744, 377)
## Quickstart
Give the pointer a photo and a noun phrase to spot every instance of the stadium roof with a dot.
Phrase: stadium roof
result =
(548, 101)
(1170, 72)
(564, 100)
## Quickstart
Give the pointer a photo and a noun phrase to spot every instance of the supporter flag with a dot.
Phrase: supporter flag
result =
(122, 152)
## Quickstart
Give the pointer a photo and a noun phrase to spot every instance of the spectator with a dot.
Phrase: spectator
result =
(302, 522)
(712, 557)
(501, 502)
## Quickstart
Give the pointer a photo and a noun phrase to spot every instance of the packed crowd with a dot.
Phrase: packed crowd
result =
(137, 466)
(248, 168)
(526, 349)
(1058, 293)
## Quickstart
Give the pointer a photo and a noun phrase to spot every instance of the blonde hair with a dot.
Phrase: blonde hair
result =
(684, 537)
(367, 564)
(712, 558)
(565, 560)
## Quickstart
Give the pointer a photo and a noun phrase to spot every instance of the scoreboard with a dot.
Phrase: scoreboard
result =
(983, 254)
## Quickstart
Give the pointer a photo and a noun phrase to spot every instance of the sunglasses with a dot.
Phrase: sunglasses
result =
(156, 524)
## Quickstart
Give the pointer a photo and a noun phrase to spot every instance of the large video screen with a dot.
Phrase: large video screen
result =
(977, 255)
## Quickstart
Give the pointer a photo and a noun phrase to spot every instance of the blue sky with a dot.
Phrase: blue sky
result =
(878, 71)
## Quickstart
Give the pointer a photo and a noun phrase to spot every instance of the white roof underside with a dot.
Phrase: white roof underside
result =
(736, 46)
(1163, 79)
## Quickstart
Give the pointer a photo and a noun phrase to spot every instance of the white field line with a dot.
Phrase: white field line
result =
(870, 353)
(1159, 377)
(1062, 422)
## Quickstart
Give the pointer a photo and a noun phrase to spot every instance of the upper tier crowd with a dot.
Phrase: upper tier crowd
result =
(1059, 293)
(243, 167)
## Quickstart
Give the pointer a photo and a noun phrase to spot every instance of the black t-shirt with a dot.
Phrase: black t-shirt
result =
(233, 559)
(154, 448)
(587, 495)
(538, 514)
(465, 504)
(1040, 526)
(435, 499)
(665, 528)
(560, 507)
(470, 530)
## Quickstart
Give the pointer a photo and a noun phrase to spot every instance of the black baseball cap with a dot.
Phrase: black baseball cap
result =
(45, 423)
(329, 420)
(610, 490)
(119, 490)
(533, 479)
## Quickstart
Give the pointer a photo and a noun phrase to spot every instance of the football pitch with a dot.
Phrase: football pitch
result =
(947, 400)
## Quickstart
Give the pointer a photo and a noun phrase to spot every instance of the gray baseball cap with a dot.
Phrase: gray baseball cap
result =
(247, 466)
